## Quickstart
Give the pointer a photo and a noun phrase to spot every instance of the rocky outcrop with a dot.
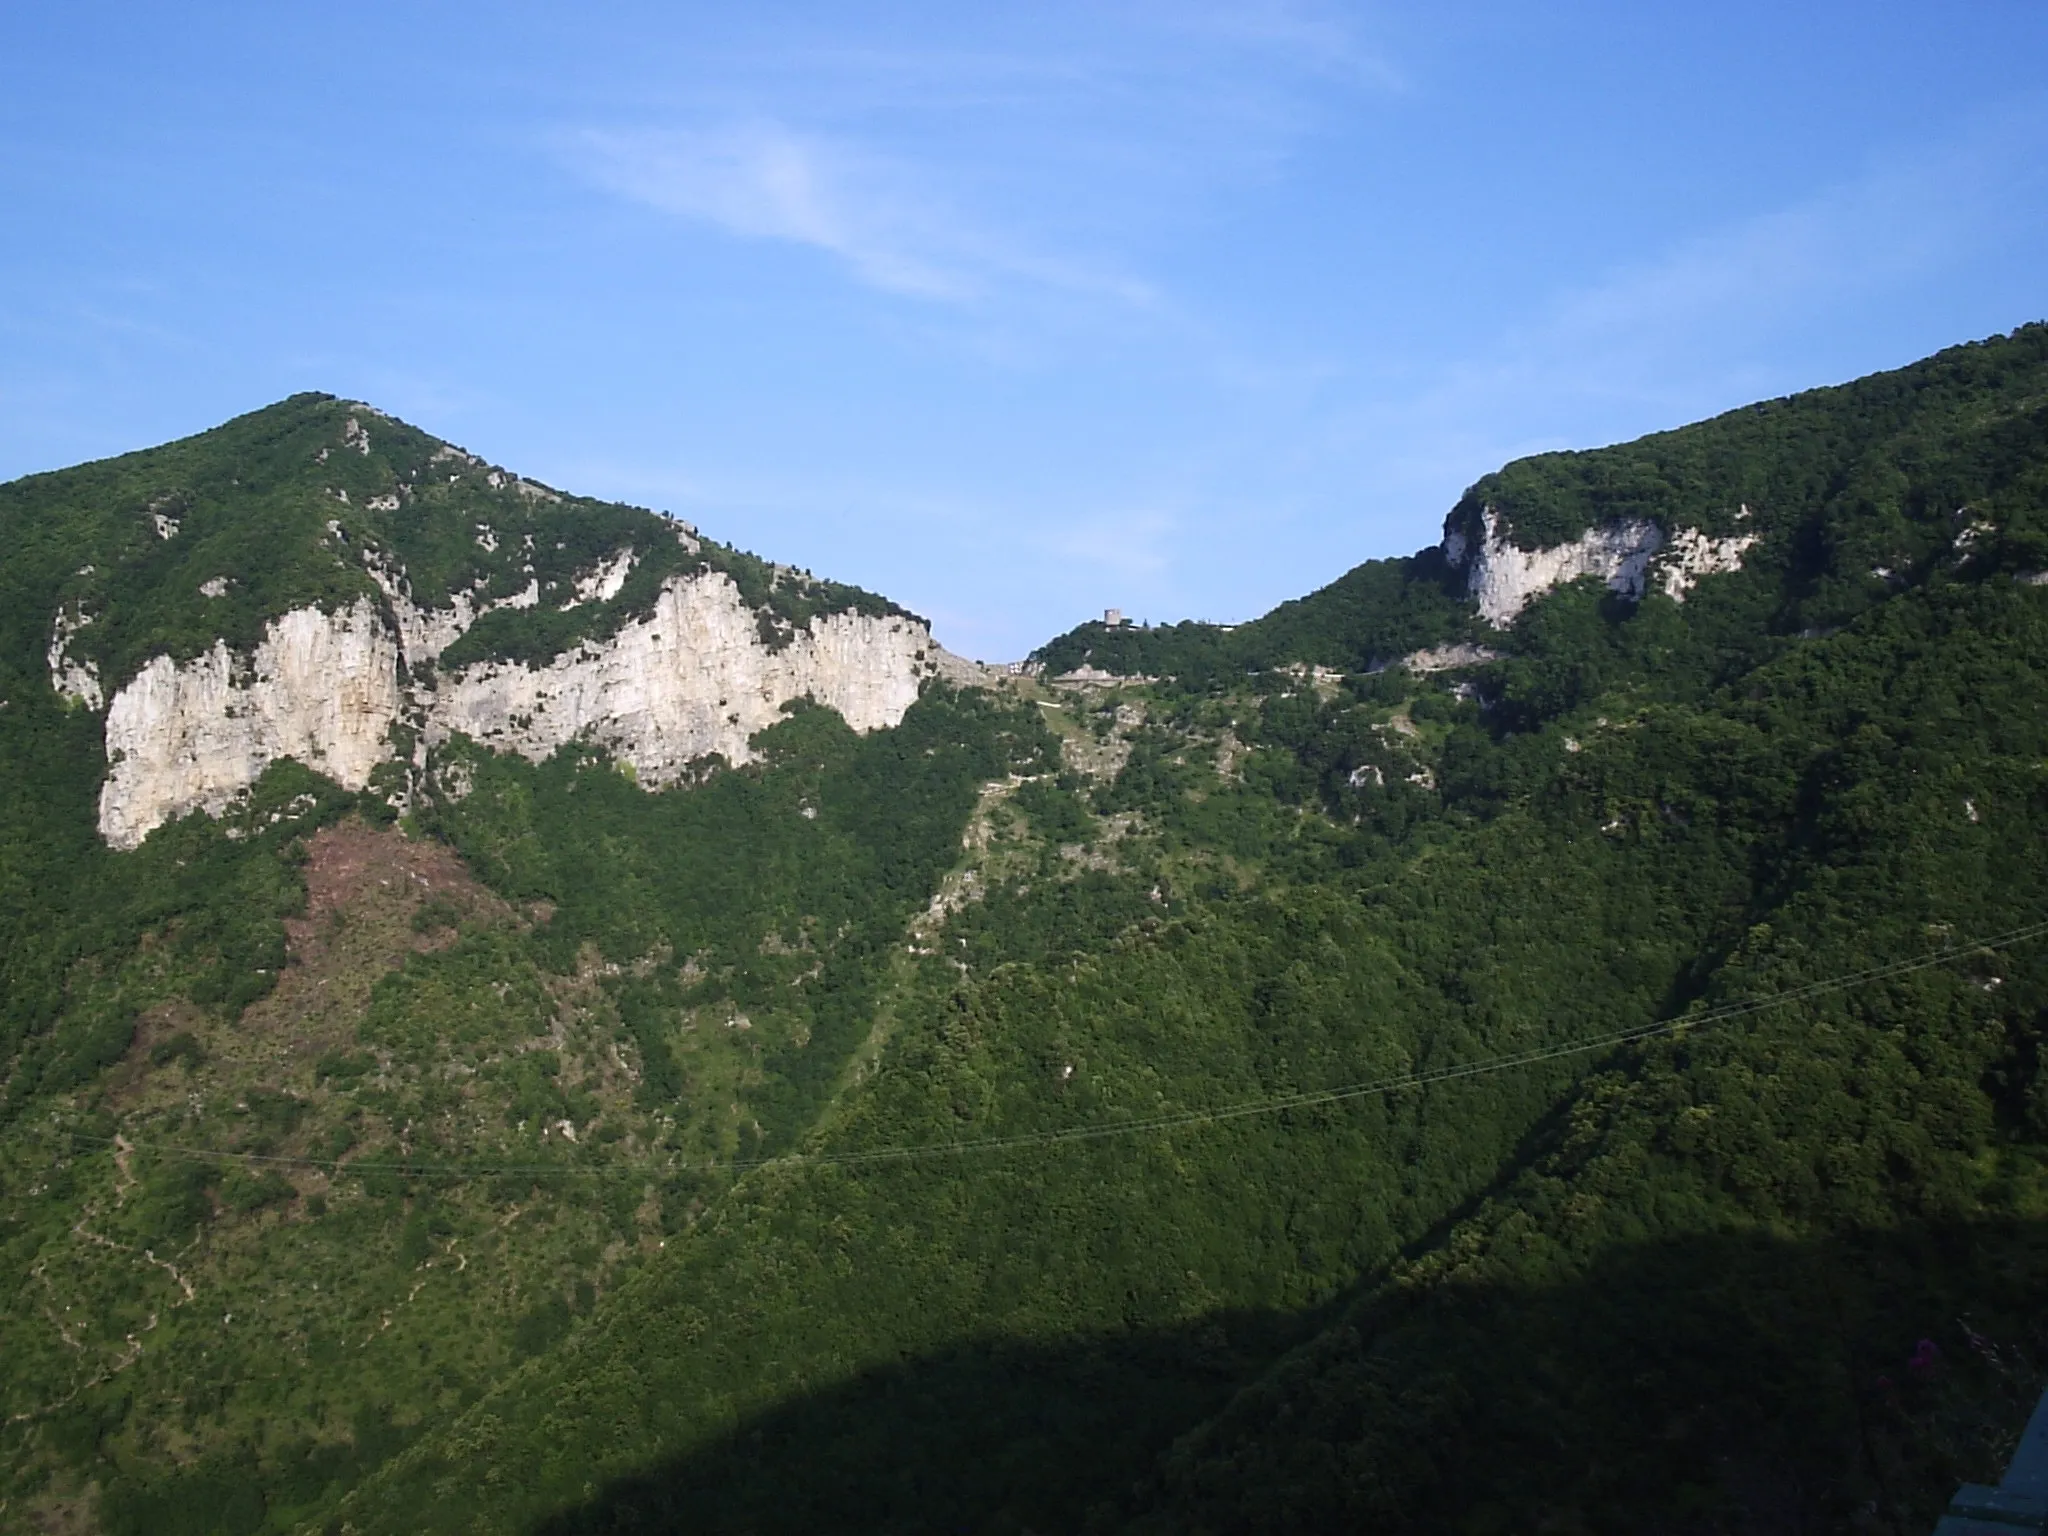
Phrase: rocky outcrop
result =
(1693, 555)
(78, 681)
(1503, 578)
(604, 583)
(322, 688)
(693, 677)
(1447, 658)
(425, 632)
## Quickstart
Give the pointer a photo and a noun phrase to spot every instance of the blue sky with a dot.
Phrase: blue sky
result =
(1011, 312)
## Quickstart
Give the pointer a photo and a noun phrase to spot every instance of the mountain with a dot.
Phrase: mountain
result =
(519, 1017)
(320, 582)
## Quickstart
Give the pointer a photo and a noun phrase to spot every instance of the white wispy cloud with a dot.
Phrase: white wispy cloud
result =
(1031, 152)
(763, 180)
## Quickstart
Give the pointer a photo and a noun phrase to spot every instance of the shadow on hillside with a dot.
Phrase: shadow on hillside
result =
(1716, 1384)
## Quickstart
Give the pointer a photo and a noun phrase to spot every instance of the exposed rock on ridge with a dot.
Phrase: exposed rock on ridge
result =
(321, 687)
(1447, 658)
(77, 680)
(424, 632)
(1694, 555)
(1503, 578)
(691, 678)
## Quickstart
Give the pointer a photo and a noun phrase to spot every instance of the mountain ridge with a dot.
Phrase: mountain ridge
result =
(1681, 500)
(462, 1107)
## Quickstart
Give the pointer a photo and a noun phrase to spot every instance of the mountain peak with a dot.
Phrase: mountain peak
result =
(320, 580)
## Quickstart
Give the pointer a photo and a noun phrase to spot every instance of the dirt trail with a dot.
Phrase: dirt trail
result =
(165, 1264)
(128, 1357)
(124, 1177)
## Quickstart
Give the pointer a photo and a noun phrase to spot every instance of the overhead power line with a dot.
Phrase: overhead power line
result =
(1677, 1024)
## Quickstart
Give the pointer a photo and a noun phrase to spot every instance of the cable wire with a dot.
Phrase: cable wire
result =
(1677, 1024)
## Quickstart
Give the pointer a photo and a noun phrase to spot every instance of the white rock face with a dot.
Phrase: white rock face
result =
(1693, 555)
(604, 583)
(76, 680)
(1504, 579)
(1448, 658)
(691, 678)
(322, 688)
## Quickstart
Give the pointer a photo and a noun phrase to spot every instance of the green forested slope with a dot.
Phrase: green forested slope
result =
(1727, 1246)
(217, 1328)
(338, 1180)
(280, 506)
(838, 1245)
(1856, 489)
(1694, 1303)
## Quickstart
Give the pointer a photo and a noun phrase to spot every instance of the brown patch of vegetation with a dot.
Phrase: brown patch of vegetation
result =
(354, 865)
(373, 896)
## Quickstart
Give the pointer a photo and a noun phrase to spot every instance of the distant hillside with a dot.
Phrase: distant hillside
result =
(1835, 498)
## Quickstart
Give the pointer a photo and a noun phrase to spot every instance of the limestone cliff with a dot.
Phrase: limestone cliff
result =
(693, 677)
(1502, 578)
(321, 687)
